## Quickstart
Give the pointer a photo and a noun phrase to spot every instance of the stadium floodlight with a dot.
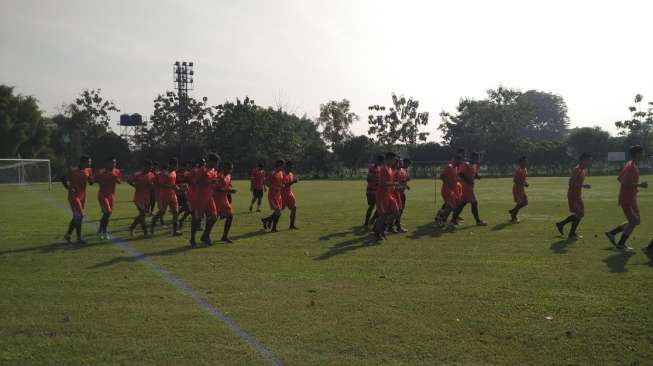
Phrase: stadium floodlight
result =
(183, 77)
(26, 172)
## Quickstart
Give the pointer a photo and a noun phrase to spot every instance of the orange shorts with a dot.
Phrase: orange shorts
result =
(206, 206)
(77, 205)
(631, 212)
(223, 206)
(386, 203)
(289, 201)
(450, 197)
(519, 195)
(575, 204)
(167, 199)
(106, 202)
(468, 194)
(275, 200)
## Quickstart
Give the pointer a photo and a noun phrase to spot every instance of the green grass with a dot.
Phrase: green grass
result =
(318, 296)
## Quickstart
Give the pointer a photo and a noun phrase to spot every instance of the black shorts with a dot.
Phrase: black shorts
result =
(371, 198)
(257, 193)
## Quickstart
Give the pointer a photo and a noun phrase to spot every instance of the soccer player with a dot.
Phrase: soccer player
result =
(275, 197)
(166, 182)
(75, 181)
(183, 196)
(287, 194)
(204, 205)
(629, 179)
(222, 188)
(372, 185)
(386, 204)
(107, 178)
(142, 182)
(153, 191)
(257, 186)
(449, 190)
(574, 196)
(402, 179)
(519, 178)
(467, 174)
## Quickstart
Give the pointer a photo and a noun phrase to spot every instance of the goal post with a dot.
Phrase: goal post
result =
(26, 172)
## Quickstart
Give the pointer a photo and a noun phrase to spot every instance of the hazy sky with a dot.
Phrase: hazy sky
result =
(596, 54)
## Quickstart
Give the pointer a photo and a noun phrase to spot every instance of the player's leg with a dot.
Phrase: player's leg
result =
(163, 207)
(456, 212)
(371, 203)
(227, 226)
(561, 224)
(632, 214)
(293, 216)
(574, 225)
(275, 220)
(259, 199)
(211, 218)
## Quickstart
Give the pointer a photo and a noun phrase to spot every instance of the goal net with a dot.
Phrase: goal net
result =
(25, 172)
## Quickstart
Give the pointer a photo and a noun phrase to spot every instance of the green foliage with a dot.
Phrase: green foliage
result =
(335, 120)
(400, 124)
(23, 130)
(357, 151)
(111, 145)
(549, 120)
(639, 128)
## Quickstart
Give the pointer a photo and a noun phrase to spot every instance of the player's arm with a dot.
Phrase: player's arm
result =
(64, 182)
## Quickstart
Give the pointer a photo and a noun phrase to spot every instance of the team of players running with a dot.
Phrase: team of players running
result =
(203, 191)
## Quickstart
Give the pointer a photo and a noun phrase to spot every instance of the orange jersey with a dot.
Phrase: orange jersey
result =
(77, 180)
(164, 180)
(275, 181)
(288, 179)
(629, 179)
(142, 183)
(402, 179)
(372, 178)
(257, 178)
(469, 171)
(204, 177)
(107, 180)
(576, 181)
(520, 176)
(450, 177)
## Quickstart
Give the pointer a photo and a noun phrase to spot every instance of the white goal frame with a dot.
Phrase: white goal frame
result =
(21, 169)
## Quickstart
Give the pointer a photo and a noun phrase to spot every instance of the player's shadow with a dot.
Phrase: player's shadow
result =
(347, 246)
(354, 230)
(561, 246)
(135, 258)
(502, 226)
(617, 262)
(248, 235)
(54, 247)
(428, 230)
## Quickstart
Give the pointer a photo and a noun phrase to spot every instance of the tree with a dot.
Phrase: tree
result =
(356, 152)
(549, 120)
(592, 140)
(491, 125)
(111, 145)
(639, 128)
(400, 124)
(93, 108)
(23, 130)
(165, 132)
(336, 120)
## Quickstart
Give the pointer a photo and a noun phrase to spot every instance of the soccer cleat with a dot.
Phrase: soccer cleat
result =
(193, 244)
(67, 238)
(226, 240)
(206, 240)
(266, 223)
(392, 230)
(625, 248)
(293, 227)
(251, 208)
(574, 237)
(81, 242)
(401, 230)
(481, 223)
(611, 238)
(560, 229)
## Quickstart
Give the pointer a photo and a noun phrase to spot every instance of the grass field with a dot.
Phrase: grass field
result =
(498, 295)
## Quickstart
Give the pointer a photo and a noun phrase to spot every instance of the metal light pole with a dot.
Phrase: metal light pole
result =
(183, 77)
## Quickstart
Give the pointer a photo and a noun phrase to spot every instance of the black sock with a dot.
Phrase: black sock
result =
(368, 214)
(570, 218)
(227, 226)
(78, 228)
(623, 238)
(617, 230)
(574, 225)
(475, 211)
(208, 227)
(457, 211)
(194, 224)
(293, 215)
(71, 227)
(275, 221)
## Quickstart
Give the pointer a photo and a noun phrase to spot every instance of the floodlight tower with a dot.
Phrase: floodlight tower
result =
(183, 77)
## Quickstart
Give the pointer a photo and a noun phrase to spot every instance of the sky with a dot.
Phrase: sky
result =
(300, 54)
